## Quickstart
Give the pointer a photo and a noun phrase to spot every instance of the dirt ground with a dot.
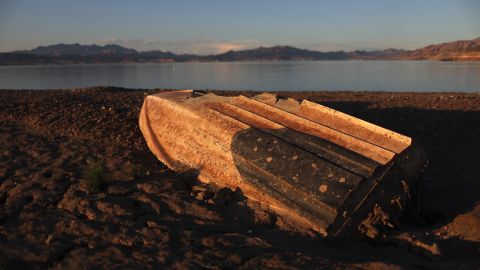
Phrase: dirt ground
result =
(146, 216)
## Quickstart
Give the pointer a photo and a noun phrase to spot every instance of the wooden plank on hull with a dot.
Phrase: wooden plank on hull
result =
(304, 125)
(361, 129)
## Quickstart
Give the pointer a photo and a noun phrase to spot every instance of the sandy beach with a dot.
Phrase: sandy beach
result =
(147, 216)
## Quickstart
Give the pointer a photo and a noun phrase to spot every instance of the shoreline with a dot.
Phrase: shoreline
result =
(300, 93)
(49, 218)
(454, 60)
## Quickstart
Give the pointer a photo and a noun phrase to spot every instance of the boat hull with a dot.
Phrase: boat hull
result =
(320, 168)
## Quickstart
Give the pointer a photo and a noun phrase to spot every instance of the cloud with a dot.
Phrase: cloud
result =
(207, 46)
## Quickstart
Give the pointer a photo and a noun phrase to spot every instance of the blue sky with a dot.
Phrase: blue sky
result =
(211, 26)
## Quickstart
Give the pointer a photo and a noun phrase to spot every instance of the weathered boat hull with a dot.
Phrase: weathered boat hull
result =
(328, 171)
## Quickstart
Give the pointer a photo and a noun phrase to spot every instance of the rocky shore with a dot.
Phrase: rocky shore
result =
(146, 216)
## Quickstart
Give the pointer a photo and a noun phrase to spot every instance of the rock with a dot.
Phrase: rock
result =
(151, 188)
(466, 226)
(223, 196)
(117, 189)
(148, 204)
(204, 195)
(112, 206)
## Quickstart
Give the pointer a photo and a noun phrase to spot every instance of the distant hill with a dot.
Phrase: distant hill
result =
(76, 53)
(278, 53)
(453, 51)
(79, 50)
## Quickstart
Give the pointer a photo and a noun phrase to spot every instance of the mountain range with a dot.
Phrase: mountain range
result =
(462, 50)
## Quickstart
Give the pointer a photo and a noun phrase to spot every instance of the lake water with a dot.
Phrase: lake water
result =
(290, 75)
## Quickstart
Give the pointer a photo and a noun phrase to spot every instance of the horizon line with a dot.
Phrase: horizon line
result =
(233, 50)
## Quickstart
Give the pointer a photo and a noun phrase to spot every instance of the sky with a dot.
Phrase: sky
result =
(215, 26)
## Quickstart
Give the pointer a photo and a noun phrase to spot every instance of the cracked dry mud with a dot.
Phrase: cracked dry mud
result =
(148, 217)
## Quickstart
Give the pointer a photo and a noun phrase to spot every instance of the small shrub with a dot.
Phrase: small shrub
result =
(96, 175)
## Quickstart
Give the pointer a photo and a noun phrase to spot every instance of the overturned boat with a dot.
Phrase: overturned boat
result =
(321, 168)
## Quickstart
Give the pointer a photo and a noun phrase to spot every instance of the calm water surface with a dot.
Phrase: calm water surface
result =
(290, 75)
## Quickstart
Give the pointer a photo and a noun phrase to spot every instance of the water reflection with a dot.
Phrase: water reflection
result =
(291, 75)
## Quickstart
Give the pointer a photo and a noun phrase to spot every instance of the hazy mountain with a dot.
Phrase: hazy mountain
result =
(77, 53)
(159, 54)
(78, 50)
(278, 53)
(387, 54)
